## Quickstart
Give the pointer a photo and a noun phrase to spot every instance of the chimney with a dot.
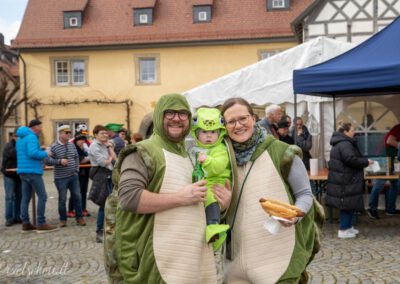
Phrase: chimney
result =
(1, 40)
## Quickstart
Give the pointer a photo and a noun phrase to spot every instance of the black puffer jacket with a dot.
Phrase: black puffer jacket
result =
(346, 177)
(9, 159)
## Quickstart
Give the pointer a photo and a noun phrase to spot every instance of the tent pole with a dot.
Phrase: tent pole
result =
(334, 113)
(295, 115)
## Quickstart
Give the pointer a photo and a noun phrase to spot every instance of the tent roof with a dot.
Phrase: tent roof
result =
(371, 68)
(269, 80)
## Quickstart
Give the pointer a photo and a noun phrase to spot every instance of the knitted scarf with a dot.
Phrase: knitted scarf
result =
(244, 151)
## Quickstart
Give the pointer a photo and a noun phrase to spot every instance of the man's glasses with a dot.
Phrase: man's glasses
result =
(67, 132)
(182, 114)
(242, 120)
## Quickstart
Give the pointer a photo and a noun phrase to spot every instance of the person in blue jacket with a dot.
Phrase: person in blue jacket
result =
(30, 168)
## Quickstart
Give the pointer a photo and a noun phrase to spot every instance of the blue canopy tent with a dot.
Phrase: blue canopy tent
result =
(371, 68)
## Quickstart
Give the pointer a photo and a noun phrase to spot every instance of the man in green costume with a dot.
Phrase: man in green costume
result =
(160, 219)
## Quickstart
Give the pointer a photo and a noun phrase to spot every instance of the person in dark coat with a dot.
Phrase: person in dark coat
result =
(346, 178)
(12, 184)
(303, 140)
(283, 132)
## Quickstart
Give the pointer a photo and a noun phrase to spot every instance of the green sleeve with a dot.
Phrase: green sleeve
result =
(217, 160)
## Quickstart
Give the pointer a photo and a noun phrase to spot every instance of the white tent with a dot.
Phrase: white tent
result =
(270, 81)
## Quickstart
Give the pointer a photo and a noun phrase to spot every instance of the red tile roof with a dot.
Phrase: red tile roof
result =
(110, 22)
(10, 69)
(72, 5)
(143, 3)
(202, 2)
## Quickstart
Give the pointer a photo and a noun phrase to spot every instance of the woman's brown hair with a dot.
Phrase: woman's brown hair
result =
(137, 137)
(99, 128)
(233, 101)
(344, 126)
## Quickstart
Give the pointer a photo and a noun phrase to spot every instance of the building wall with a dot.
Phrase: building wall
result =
(350, 20)
(111, 75)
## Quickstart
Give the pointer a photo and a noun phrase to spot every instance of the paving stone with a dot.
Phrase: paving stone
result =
(71, 255)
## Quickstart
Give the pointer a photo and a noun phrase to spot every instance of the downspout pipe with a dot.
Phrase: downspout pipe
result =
(25, 88)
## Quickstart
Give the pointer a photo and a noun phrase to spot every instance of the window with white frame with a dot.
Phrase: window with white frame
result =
(68, 72)
(73, 20)
(278, 3)
(202, 14)
(142, 17)
(147, 69)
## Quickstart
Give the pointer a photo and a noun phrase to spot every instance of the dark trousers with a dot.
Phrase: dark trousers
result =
(83, 183)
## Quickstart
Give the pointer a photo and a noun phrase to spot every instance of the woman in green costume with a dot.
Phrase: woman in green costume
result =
(272, 169)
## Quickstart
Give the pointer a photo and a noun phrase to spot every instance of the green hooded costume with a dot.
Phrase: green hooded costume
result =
(216, 168)
(257, 256)
(165, 247)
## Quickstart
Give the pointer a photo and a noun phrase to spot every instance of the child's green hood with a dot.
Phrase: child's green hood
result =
(208, 119)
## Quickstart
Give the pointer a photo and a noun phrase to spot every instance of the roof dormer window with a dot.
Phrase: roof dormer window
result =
(202, 14)
(72, 20)
(278, 4)
(142, 16)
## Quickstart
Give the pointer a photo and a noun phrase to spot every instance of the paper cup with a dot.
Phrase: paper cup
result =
(313, 167)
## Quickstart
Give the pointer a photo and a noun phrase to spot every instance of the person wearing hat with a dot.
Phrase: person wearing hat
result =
(65, 159)
(122, 134)
(30, 169)
(80, 141)
(283, 132)
(113, 129)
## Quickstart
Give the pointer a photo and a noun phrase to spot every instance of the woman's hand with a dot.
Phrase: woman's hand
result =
(289, 224)
(223, 194)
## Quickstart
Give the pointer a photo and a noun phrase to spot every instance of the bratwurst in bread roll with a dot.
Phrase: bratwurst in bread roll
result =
(280, 209)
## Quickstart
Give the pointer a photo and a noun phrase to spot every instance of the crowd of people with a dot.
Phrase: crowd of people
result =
(73, 157)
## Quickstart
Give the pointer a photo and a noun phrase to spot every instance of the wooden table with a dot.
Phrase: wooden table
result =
(320, 181)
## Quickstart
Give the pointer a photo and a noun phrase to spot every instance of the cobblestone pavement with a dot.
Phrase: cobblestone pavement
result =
(71, 255)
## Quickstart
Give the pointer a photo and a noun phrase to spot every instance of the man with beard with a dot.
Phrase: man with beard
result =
(160, 219)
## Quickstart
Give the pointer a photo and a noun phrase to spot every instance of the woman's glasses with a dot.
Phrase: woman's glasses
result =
(182, 114)
(242, 120)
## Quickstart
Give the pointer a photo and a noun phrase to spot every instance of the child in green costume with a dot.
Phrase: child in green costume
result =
(209, 131)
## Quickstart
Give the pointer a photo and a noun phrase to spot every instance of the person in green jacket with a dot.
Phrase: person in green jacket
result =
(208, 130)
(157, 233)
(267, 168)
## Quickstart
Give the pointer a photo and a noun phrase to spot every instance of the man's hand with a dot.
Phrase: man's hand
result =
(193, 193)
(223, 194)
(64, 162)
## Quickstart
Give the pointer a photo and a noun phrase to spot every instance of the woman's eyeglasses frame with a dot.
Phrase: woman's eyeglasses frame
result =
(243, 120)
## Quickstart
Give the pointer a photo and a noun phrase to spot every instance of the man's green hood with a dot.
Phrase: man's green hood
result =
(172, 102)
(208, 119)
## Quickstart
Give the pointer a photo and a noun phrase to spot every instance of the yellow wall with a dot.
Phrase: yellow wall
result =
(111, 75)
